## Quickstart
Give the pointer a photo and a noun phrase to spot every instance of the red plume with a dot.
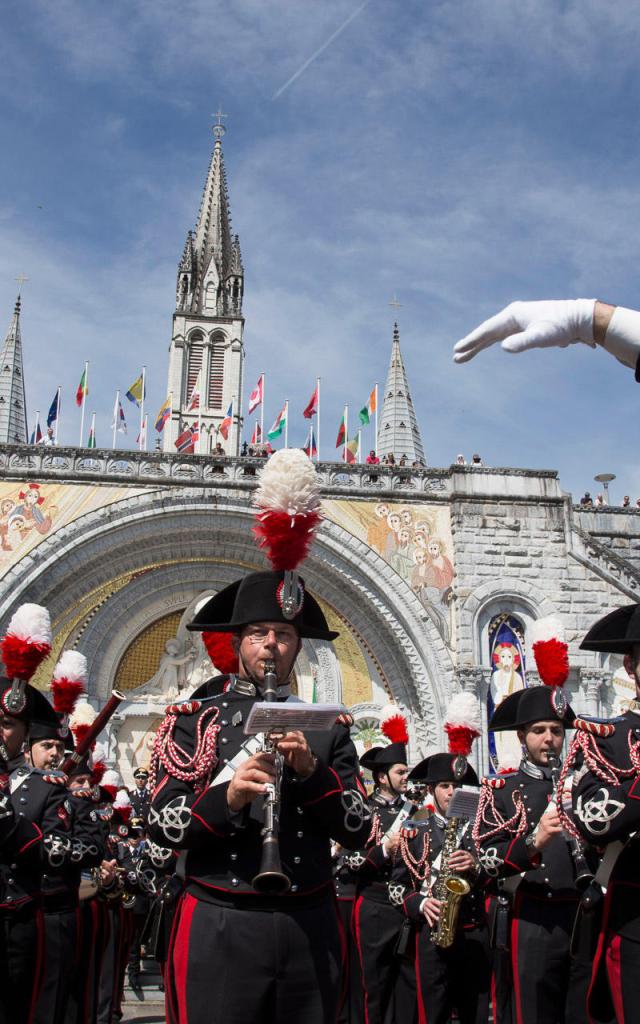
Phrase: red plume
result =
(288, 500)
(460, 738)
(80, 731)
(220, 650)
(552, 661)
(463, 723)
(287, 539)
(27, 641)
(393, 725)
(98, 770)
(69, 681)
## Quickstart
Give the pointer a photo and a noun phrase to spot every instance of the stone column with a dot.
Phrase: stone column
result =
(592, 683)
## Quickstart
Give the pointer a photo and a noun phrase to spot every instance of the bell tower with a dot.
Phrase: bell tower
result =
(206, 355)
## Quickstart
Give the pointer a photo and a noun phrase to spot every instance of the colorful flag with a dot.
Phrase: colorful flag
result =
(279, 424)
(163, 414)
(186, 442)
(91, 443)
(256, 437)
(83, 389)
(256, 396)
(342, 433)
(134, 394)
(141, 439)
(118, 422)
(194, 401)
(312, 407)
(53, 411)
(310, 447)
(36, 434)
(369, 409)
(225, 426)
(351, 450)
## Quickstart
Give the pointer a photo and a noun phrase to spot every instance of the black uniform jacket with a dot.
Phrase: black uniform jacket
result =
(223, 850)
(509, 811)
(39, 835)
(369, 866)
(606, 807)
(60, 886)
(140, 802)
(417, 869)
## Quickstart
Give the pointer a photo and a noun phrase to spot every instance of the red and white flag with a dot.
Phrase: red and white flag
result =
(256, 437)
(225, 426)
(312, 406)
(194, 401)
(255, 398)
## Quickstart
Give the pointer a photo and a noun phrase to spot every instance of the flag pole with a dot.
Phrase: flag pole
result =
(145, 430)
(55, 433)
(116, 411)
(360, 445)
(317, 425)
(85, 388)
(376, 426)
(286, 423)
(37, 427)
(262, 410)
(144, 370)
(170, 422)
(346, 433)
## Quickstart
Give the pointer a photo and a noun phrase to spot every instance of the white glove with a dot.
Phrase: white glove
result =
(622, 339)
(524, 325)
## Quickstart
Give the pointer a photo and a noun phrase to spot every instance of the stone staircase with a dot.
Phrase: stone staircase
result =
(145, 1004)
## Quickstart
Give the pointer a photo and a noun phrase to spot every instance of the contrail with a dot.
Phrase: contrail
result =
(321, 49)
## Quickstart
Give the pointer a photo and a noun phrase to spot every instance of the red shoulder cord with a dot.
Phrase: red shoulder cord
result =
(515, 826)
(598, 765)
(175, 761)
(418, 867)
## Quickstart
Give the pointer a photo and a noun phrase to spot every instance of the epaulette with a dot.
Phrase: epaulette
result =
(594, 726)
(56, 779)
(187, 707)
(494, 782)
(345, 719)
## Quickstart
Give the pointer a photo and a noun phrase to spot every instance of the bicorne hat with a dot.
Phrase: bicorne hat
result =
(616, 633)
(393, 725)
(444, 768)
(532, 704)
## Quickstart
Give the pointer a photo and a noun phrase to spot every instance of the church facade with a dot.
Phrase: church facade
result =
(433, 577)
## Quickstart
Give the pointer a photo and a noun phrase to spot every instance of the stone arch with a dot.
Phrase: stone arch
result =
(110, 574)
(519, 596)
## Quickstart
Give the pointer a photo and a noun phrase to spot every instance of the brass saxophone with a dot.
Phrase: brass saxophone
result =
(449, 888)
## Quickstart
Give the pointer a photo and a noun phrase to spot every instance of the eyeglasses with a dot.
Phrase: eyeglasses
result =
(259, 634)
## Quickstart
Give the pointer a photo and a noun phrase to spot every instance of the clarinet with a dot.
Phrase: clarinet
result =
(271, 879)
(584, 874)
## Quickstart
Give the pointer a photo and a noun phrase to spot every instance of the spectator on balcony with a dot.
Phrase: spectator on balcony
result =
(460, 460)
(477, 460)
(372, 459)
(626, 501)
(586, 499)
(219, 450)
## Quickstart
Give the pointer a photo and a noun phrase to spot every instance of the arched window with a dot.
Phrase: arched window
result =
(196, 351)
(216, 372)
(210, 296)
(506, 658)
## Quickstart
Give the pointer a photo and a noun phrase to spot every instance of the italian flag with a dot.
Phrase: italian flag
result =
(369, 409)
(83, 388)
(280, 424)
(91, 443)
(342, 433)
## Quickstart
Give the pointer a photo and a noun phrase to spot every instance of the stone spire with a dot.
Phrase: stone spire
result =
(13, 414)
(210, 273)
(398, 430)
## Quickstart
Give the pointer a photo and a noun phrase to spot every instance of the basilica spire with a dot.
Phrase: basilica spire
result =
(398, 431)
(210, 273)
(13, 414)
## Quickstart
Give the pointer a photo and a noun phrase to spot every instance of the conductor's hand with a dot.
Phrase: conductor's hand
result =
(108, 870)
(297, 753)
(431, 910)
(524, 325)
(462, 860)
(250, 780)
(548, 827)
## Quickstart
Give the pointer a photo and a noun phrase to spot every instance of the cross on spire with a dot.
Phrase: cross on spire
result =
(218, 128)
(21, 278)
(394, 302)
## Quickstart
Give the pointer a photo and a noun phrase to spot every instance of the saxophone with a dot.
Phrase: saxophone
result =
(449, 888)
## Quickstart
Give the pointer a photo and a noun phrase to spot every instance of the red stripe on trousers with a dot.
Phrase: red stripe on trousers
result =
(514, 958)
(599, 948)
(345, 967)
(39, 970)
(422, 1013)
(614, 974)
(180, 956)
(169, 1001)
(358, 935)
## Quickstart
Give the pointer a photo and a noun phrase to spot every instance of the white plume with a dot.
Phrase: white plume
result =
(546, 629)
(31, 622)
(73, 666)
(83, 714)
(510, 760)
(464, 709)
(111, 778)
(122, 798)
(390, 711)
(288, 483)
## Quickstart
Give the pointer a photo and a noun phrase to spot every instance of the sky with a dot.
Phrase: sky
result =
(456, 155)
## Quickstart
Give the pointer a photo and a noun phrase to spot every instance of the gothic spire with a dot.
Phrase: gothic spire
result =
(398, 430)
(13, 415)
(210, 274)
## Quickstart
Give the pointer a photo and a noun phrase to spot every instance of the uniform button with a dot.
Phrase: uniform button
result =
(9, 899)
(11, 881)
(224, 740)
(234, 856)
(45, 878)
(21, 814)
(234, 881)
(224, 704)
(547, 880)
(23, 800)
(549, 895)
(14, 867)
(299, 810)
(300, 835)
(224, 722)
(296, 860)
(294, 888)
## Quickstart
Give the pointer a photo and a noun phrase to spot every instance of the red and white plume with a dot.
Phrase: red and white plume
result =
(83, 717)
(69, 681)
(122, 805)
(393, 724)
(220, 650)
(27, 641)
(550, 651)
(509, 763)
(288, 500)
(98, 772)
(463, 723)
(111, 783)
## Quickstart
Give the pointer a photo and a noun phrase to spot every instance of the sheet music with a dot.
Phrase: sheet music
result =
(464, 803)
(276, 716)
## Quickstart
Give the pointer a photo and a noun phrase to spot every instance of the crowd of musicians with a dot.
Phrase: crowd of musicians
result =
(275, 887)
